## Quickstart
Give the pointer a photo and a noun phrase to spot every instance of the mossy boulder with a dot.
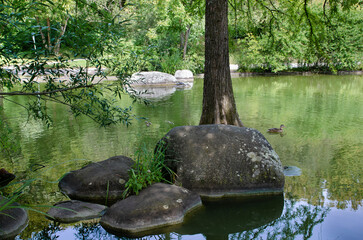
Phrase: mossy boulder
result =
(221, 160)
(157, 206)
(100, 182)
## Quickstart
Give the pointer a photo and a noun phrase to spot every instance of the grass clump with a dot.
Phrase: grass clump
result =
(149, 168)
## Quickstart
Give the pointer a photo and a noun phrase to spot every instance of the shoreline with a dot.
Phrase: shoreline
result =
(297, 73)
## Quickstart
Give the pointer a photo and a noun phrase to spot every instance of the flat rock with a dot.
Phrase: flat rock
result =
(152, 78)
(157, 206)
(74, 211)
(223, 161)
(100, 182)
(12, 220)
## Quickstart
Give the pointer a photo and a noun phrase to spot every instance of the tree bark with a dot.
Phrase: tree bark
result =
(58, 43)
(41, 33)
(1, 97)
(219, 105)
(49, 40)
(184, 41)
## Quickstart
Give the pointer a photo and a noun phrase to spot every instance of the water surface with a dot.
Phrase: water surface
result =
(323, 138)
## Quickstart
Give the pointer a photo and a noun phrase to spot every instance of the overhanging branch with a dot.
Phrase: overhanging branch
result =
(18, 93)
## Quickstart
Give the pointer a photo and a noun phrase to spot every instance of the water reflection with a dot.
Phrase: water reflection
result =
(297, 222)
(157, 93)
(290, 171)
(274, 218)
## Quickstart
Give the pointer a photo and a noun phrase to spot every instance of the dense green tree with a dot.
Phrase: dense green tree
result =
(52, 19)
(218, 101)
(74, 87)
(316, 34)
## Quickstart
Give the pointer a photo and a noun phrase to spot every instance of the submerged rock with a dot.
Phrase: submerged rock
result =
(221, 160)
(13, 220)
(100, 182)
(74, 211)
(157, 206)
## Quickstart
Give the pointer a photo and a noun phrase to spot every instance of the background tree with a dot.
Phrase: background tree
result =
(169, 33)
(52, 18)
(63, 83)
(266, 36)
(269, 36)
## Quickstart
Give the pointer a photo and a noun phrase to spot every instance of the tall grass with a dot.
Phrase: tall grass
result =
(149, 168)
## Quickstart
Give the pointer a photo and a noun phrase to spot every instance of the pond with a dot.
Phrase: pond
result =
(322, 144)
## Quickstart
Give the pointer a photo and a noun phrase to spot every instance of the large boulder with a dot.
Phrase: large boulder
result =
(100, 182)
(74, 211)
(13, 219)
(157, 206)
(152, 78)
(222, 160)
(184, 75)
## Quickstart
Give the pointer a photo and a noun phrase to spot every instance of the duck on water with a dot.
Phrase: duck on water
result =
(276, 130)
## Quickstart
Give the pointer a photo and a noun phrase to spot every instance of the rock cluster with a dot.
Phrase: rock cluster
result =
(210, 162)
(156, 206)
(158, 85)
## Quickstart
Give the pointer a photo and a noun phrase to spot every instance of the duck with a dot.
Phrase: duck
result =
(276, 130)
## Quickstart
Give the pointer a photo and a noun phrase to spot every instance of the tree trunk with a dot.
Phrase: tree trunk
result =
(184, 41)
(49, 40)
(219, 106)
(58, 43)
(1, 98)
(41, 33)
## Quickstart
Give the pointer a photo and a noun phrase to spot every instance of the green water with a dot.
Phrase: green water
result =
(323, 137)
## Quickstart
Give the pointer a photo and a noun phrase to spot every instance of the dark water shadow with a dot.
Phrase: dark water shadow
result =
(216, 220)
